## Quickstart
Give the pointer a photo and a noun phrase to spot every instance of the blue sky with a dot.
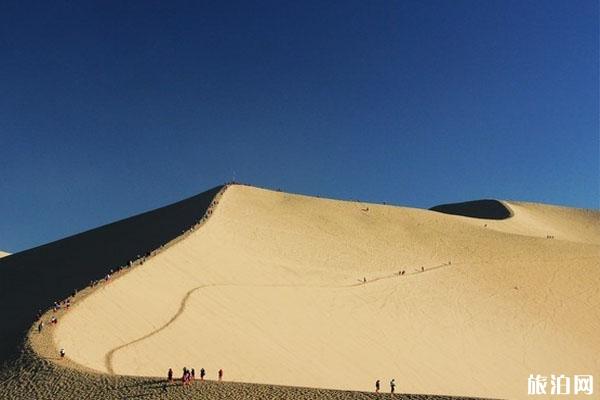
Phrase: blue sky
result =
(109, 109)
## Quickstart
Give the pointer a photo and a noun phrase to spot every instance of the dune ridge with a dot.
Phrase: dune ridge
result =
(4, 254)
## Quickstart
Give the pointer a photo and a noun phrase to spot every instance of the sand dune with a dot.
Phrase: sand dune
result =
(270, 289)
(4, 254)
(33, 279)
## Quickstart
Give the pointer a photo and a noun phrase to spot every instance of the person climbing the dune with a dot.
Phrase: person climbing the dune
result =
(377, 386)
(202, 373)
(392, 386)
(193, 375)
(40, 326)
(170, 375)
(220, 374)
(62, 353)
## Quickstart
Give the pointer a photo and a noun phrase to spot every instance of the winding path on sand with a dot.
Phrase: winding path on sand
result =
(109, 356)
(108, 359)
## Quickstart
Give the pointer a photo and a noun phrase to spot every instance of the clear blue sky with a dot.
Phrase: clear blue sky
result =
(109, 109)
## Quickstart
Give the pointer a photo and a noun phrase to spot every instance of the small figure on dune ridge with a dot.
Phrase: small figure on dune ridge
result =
(220, 374)
(377, 386)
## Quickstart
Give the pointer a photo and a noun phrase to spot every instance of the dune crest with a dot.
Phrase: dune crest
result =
(4, 254)
(271, 289)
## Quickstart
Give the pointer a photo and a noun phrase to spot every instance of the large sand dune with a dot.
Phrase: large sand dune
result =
(33, 279)
(269, 290)
(4, 254)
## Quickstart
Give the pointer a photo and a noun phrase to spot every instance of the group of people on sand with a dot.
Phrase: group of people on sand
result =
(189, 375)
(402, 272)
(58, 305)
(392, 386)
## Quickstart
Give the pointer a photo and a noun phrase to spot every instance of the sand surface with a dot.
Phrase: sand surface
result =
(33, 378)
(268, 286)
(4, 254)
(270, 289)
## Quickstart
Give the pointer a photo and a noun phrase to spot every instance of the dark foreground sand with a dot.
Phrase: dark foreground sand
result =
(30, 377)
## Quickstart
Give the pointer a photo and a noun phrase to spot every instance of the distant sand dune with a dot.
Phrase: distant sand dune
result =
(4, 254)
(270, 289)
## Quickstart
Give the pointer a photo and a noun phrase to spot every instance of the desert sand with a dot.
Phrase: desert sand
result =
(270, 287)
(4, 254)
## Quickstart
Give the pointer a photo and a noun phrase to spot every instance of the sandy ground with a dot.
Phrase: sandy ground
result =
(30, 377)
(270, 288)
(4, 254)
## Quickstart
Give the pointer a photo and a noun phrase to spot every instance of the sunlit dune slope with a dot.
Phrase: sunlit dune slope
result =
(270, 289)
(33, 279)
(4, 254)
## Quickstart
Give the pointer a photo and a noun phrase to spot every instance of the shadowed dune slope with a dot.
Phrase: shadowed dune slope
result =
(486, 209)
(271, 289)
(31, 280)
